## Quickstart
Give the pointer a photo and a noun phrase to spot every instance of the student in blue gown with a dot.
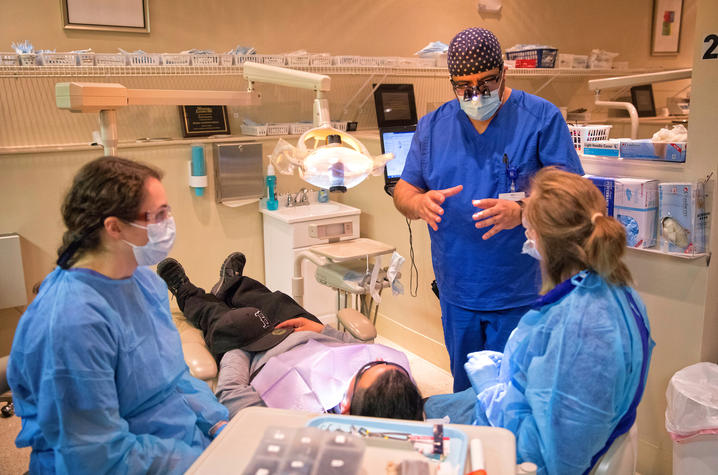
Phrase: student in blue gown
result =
(96, 367)
(573, 372)
(480, 151)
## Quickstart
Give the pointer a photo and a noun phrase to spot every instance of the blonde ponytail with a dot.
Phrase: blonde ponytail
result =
(605, 248)
(568, 214)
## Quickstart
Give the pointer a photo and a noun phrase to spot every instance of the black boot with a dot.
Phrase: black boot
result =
(233, 266)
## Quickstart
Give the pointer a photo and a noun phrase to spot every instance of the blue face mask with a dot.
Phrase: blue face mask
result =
(160, 238)
(482, 108)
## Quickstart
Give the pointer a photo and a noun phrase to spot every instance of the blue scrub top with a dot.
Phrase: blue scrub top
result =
(447, 151)
(100, 382)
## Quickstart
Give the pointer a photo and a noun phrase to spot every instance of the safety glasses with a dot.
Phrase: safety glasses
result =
(157, 216)
(467, 90)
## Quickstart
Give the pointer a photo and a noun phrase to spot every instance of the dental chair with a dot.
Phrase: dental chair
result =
(5, 395)
(620, 459)
(196, 354)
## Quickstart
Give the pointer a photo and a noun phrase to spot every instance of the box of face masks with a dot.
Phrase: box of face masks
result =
(683, 218)
(606, 186)
(636, 207)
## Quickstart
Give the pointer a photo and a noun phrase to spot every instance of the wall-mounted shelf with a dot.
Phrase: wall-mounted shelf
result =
(614, 162)
(102, 71)
(128, 144)
(363, 135)
(688, 257)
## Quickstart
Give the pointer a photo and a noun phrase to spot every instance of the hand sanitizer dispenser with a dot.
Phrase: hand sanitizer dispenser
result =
(197, 170)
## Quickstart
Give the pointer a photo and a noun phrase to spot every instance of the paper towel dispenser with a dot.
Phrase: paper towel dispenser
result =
(12, 277)
(238, 172)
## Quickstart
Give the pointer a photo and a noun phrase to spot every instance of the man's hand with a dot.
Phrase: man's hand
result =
(301, 324)
(427, 206)
(502, 214)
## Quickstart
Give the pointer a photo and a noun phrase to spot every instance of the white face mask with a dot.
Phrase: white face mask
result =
(530, 249)
(529, 246)
(161, 237)
(482, 108)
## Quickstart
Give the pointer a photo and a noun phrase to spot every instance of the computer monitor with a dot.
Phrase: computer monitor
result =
(396, 140)
(395, 105)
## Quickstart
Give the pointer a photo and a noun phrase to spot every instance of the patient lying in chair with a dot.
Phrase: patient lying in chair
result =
(272, 352)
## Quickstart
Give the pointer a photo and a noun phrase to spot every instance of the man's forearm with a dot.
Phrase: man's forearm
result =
(404, 196)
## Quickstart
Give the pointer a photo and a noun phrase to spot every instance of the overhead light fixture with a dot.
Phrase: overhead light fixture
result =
(324, 156)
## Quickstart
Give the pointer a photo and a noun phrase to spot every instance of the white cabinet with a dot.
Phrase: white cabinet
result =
(288, 231)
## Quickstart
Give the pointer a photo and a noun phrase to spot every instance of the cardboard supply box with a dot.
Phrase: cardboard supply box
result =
(602, 148)
(649, 150)
(636, 207)
(606, 186)
(683, 218)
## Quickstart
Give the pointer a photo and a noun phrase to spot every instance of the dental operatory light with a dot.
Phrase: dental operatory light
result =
(336, 164)
(324, 156)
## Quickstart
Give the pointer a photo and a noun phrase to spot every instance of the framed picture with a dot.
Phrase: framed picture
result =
(666, 32)
(642, 98)
(106, 15)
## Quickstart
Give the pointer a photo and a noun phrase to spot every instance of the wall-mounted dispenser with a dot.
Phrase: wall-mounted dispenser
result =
(12, 277)
(197, 170)
(239, 176)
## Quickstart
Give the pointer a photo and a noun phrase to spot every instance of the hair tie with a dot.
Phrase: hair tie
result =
(593, 218)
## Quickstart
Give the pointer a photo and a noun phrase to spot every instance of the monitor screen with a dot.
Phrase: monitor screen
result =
(398, 143)
(395, 105)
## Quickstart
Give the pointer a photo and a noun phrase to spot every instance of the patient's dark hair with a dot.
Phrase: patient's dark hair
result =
(104, 187)
(392, 395)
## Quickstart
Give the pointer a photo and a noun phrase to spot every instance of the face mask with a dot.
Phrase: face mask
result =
(529, 246)
(482, 108)
(530, 249)
(161, 237)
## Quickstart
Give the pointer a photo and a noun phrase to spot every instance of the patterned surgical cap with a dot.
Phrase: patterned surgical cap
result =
(472, 51)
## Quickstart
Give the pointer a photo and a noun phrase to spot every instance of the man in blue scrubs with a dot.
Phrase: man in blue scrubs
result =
(480, 151)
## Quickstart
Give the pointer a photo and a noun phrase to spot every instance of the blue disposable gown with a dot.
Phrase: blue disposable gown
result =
(568, 374)
(99, 379)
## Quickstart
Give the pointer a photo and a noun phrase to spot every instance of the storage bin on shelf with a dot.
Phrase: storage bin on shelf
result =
(179, 59)
(298, 128)
(85, 59)
(8, 59)
(250, 58)
(580, 134)
(341, 126)
(273, 59)
(110, 59)
(345, 60)
(320, 60)
(259, 130)
(143, 59)
(298, 60)
(533, 58)
(28, 59)
(278, 129)
(57, 59)
(368, 61)
(212, 59)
